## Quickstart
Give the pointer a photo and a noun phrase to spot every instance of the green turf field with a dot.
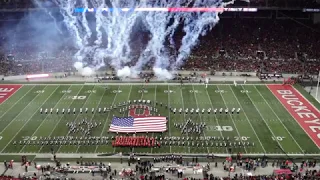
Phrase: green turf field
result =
(263, 125)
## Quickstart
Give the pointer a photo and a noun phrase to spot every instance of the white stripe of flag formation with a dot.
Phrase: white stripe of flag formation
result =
(138, 124)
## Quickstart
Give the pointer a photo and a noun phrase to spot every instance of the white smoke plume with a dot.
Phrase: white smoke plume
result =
(125, 72)
(104, 38)
(162, 74)
(84, 71)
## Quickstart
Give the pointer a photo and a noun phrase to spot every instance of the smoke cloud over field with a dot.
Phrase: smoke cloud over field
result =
(122, 37)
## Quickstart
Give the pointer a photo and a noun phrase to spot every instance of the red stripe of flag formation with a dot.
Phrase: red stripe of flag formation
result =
(139, 124)
(139, 141)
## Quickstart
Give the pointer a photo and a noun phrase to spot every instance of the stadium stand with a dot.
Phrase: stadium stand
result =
(233, 45)
(280, 40)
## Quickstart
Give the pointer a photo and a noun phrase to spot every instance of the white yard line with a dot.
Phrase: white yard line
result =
(94, 112)
(78, 114)
(123, 114)
(21, 112)
(184, 115)
(248, 120)
(15, 102)
(44, 119)
(140, 99)
(235, 126)
(154, 100)
(169, 119)
(204, 134)
(215, 115)
(279, 119)
(60, 120)
(37, 111)
(105, 123)
(264, 120)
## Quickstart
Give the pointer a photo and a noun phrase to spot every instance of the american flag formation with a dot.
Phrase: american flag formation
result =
(139, 124)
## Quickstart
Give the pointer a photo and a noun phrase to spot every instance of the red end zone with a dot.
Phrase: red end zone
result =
(304, 112)
(7, 90)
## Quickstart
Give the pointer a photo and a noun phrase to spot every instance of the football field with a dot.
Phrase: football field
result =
(264, 124)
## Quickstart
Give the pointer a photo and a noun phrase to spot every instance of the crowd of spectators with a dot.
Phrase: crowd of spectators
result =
(143, 169)
(241, 39)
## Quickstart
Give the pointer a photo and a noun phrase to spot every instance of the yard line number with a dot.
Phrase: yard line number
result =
(219, 91)
(278, 138)
(39, 91)
(91, 91)
(241, 138)
(116, 91)
(0, 137)
(143, 91)
(194, 91)
(76, 97)
(245, 91)
(220, 128)
(29, 138)
(170, 91)
(66, 91)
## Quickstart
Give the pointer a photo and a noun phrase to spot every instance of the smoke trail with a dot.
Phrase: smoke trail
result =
(160, 28)
(84, 23)
(196, 24)
(67, 9)
(117, 25)
(113, 31)
(99, 4)
(42, 5)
